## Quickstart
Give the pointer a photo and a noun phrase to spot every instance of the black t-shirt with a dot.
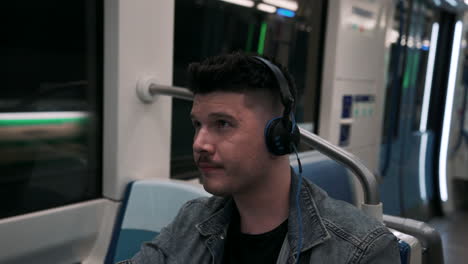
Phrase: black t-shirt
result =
(245, 248)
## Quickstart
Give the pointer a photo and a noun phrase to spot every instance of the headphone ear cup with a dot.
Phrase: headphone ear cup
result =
(277, 137)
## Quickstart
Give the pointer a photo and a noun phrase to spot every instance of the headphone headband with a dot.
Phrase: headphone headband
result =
(281, 133)
(286, 97)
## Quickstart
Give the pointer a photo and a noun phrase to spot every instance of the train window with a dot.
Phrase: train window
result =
(408, 66)
(293, 34)
(50, 104)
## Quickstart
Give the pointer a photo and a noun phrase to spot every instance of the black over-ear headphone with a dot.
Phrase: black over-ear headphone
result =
(281, 133)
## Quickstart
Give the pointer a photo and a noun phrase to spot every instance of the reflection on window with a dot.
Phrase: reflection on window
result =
(50, 104)
(288, 30)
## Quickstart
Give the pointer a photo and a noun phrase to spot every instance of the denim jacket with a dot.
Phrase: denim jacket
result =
(333, 232)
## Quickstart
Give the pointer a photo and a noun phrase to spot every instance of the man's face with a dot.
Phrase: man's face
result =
(229, 146)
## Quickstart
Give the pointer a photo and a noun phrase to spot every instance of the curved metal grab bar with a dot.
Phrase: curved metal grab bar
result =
(177, 92)
(365, 176)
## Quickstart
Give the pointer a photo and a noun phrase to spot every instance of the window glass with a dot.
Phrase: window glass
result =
(423, 29)
(50, 104)
(293, 35)
(396, 40)
(408, 64)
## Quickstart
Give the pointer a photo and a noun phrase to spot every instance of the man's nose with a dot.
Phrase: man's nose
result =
(203, 142)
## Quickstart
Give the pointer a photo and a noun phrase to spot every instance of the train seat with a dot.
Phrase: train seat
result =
(148, 206)
(429, 240)
(326, 173)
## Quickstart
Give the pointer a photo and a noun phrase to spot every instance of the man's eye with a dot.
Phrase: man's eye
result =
(196, 124)
(223, 123)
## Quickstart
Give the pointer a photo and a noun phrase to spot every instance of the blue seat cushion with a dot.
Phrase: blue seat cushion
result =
(133, 239)
(327, 174)
(147, 207)
(405, 251)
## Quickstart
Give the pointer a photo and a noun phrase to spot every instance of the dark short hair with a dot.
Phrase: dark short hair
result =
(236, 72)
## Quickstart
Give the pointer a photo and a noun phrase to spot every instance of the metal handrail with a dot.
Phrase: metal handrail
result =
(366, 177)
(174, 91)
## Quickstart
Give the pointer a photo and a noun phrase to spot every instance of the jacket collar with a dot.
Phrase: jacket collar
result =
(218, 222)
(313, 229)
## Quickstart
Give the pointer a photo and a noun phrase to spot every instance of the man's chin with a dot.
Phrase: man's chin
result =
(218, 193)
(215, 189)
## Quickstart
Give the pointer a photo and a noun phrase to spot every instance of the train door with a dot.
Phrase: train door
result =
(458, 151)
(414, 40)
(453, 149)
(416, 88)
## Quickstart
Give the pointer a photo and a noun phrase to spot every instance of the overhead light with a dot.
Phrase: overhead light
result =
(285, 12)
(266, 8)
(419, 44)
(426, 45)
(246, 3)
(444, 142)
(410, 42)
(403, 40)
(291, 5)
(394, 36)
(429, 75)
(452, 2)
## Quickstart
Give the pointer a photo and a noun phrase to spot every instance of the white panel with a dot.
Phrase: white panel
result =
(386, 23)
(105, 232)
(138, 42)
(60, 235)
(354, 65)
(359, 33)
(328, 93)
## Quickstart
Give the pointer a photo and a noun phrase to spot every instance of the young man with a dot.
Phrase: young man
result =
(253, 215)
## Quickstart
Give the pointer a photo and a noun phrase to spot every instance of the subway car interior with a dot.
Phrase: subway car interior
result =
(96, 144)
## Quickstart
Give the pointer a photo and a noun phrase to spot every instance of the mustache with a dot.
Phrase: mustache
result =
(206, 160)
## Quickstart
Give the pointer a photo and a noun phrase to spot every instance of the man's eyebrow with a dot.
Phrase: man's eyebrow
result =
(215, 115)
(221, 115)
